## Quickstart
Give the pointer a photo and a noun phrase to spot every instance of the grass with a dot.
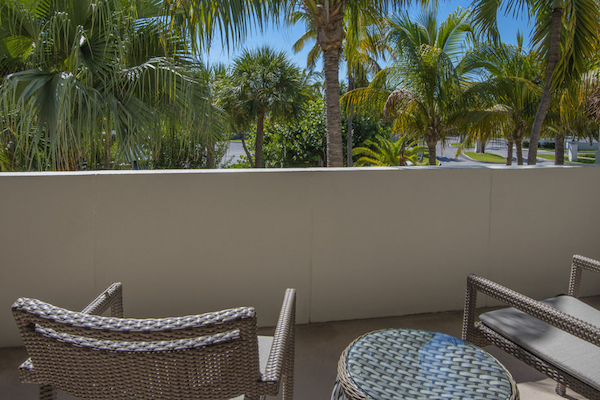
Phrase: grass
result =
(235, 141)
(548, 157)
(579, 160)
(486, 157)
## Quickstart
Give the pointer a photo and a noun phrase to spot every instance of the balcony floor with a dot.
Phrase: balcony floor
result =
(318, 347)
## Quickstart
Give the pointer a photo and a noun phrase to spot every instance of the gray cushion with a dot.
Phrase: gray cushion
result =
(264, 348)
(569, 353)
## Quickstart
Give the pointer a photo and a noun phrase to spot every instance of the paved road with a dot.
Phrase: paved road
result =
(446, 155)
(233, 153)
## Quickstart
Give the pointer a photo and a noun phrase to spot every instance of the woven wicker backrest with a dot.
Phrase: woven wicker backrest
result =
(208, 356)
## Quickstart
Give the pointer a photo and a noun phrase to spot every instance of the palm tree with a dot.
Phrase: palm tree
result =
(95, 77)
(572, 25)
(360, 50)
(264, 82)
(328, 16)
(507, 93)
(389, 153)
(571, 112)
(421, 90)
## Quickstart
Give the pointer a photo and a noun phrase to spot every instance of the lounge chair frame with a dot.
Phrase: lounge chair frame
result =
(479, 334)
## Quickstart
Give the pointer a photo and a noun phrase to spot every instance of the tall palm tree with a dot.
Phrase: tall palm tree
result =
(264, 82)
(571, 117)
(421, 90)
(360, 50)
(235, 16)
(328, 17)
(506, 93)
(94, 75)
(570, 24)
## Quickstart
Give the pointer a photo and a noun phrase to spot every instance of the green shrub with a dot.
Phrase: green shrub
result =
(541, 145)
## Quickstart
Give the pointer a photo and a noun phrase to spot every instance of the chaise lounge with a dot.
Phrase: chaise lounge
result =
(557, 336)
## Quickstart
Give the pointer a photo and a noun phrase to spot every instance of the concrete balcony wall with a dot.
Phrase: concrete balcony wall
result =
(356, 243)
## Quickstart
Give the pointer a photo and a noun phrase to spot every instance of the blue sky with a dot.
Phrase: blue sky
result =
(282, 38)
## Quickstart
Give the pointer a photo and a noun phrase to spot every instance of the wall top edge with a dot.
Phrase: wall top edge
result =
(283, 170)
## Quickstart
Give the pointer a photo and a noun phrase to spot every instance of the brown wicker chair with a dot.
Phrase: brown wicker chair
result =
(207, 356)
(557, 336)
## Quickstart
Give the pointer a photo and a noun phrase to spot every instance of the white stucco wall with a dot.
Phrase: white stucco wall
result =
(355, 243)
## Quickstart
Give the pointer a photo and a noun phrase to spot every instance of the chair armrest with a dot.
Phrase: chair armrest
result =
(112, 297)
(282, 350)
(579, 264)
(537, 309)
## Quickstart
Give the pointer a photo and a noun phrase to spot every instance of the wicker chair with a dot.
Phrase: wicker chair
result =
(207, 356)
(557, 336)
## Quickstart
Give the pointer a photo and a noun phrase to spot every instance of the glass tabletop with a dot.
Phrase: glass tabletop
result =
(418, 364)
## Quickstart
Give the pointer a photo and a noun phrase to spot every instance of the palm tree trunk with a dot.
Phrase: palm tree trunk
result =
(106, 160)
(431, 145)
(350, 128)
(553, 55)
(260, 133)
(519, 146)
(480, 146)
(247, 152)
(559, 150)
(210, 155)
(335, 157)
(509, 156)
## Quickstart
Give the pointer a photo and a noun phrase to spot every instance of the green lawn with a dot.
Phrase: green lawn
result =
(235, 141)
(546, 156)
(580, 160)
(486, 157)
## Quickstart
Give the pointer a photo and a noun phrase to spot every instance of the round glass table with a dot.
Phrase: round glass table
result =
(417, 364)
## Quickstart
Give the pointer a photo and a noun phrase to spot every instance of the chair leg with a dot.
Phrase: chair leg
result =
(47, 392)
(288, 386)
(288, 367)
(561, 389)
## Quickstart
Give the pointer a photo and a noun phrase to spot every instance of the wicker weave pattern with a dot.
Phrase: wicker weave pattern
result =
(284, 342)
(111, 298)
(537, 309)
(414, 364)
(207, 356)
(580, 263)
(481, 335)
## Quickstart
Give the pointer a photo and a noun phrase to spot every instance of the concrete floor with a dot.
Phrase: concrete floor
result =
(318, 348)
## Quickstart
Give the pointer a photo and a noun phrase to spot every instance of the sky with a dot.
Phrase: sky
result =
(282, 38)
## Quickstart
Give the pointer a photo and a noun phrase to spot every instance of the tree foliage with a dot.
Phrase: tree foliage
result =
(93, 82)
(387, 152)
(303, 143)
(263, 83)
